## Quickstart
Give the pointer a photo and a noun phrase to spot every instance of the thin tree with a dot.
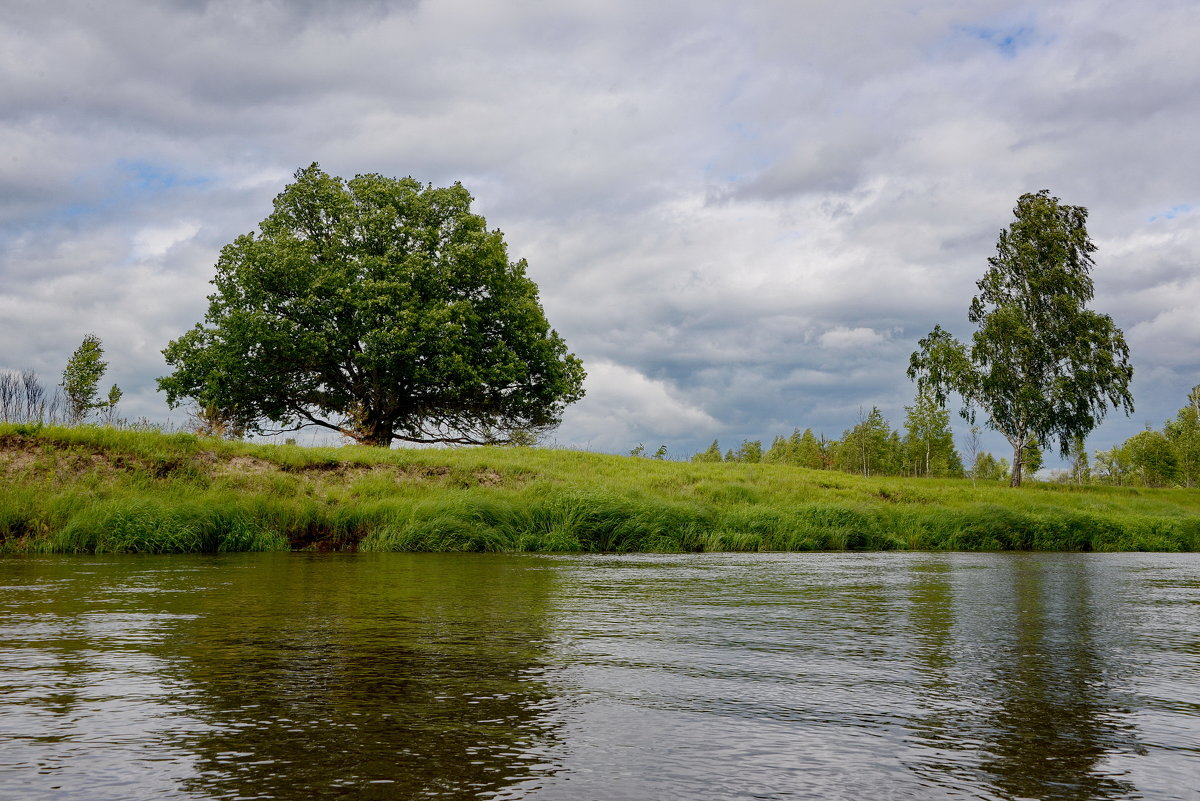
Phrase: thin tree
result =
(82, 376)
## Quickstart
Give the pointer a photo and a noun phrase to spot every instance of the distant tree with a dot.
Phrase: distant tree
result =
(1112, 466)
(865, 446)
(730, 456)
(518, 438)
(9, 392)
(81, 377)
(1184, 435)
(807, 450)
(974, 446)
(109, 406)
(1151, 459)
(780, 451)
(713, 454)
(379, 308)
(988, 468)
(984, 466)
(1003, 470)
(894, 457)
(828, 449)
(1041, 365)
(638, 450)
(750, 451)
(928, 439)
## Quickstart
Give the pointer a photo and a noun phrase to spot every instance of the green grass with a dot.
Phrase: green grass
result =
(99, 490)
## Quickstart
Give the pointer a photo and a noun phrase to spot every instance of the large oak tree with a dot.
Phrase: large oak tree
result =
(380, 308)
(1041, 365)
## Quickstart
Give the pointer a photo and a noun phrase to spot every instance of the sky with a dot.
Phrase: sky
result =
(741, 216)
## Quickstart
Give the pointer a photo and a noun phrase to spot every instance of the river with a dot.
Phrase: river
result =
(570, 678)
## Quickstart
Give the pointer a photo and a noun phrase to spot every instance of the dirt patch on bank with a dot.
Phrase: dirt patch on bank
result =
(241, 465)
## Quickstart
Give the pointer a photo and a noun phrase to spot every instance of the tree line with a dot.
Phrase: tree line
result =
(1169, 457)
(922, 447)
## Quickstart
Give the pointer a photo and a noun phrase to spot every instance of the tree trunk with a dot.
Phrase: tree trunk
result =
(1017, 464)
(375, 433)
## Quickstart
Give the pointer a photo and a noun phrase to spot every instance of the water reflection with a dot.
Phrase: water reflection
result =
(1019, 694)
(272, 676)
(1057, 715)
(79, 711)
(387, 678)
(913, 676)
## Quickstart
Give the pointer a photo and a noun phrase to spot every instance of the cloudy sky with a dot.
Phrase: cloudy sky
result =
(741, 216)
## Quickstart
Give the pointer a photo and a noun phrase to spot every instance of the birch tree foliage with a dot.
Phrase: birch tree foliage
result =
(81, 378)
(1041, 365)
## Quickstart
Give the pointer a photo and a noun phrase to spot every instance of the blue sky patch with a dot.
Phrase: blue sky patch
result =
(124, 182)
(1171, 213)
(1008, 39)
(146, 176)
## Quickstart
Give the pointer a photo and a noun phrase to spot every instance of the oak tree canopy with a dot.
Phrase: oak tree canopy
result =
(379, 308)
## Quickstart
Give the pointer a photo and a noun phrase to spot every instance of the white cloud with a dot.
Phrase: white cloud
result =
(841, 338)
(154, 242)
(624, 407)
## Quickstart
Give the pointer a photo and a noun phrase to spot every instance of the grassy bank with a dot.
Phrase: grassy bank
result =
(102, 490)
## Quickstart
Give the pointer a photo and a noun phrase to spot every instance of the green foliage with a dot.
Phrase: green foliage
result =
(869, 447)
(1031, 457)
(800, 450)
(1151, 459)
(1183, 433)
(210, 419)
(750, 452)
(1166, 458)
(779, 452)
(1112, 466)
(808, 451)
(928, 439)
(713, 454)
(519, 438)
(1041, 365)
(81, 377)
(378, 308)
(988, 468)
(109, 406)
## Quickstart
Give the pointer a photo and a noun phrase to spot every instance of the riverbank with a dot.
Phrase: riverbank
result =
(84, 490)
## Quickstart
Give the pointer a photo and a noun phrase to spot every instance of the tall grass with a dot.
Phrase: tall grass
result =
(102, 490)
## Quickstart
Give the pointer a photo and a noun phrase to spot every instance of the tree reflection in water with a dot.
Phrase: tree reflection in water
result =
(1018, 697)
(335, 676)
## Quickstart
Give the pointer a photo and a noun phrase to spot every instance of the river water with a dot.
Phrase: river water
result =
(648, 677)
